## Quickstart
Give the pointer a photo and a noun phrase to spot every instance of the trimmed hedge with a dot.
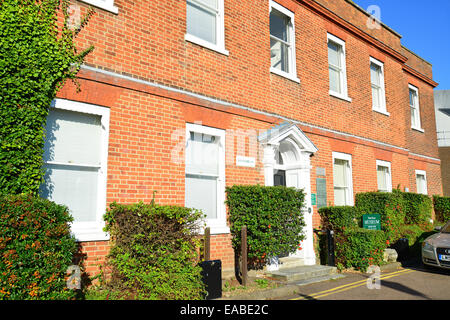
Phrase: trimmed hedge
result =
(418, 209)
(273, 218)
(390, 205)
(442, 208)
(154, 252)
(340, 217)
(36, 249)
(359, 248)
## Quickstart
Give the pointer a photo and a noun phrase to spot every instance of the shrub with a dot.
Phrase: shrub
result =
(274, 220)
(418, 209)
(391, 207)
(37, 55)
(359, 248)
(154, 252)
(442, 208)
(340, 217)
(36, 249)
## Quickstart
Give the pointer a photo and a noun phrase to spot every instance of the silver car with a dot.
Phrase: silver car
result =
(436, 248)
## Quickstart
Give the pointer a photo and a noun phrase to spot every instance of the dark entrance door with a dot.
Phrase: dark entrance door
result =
(279, 178)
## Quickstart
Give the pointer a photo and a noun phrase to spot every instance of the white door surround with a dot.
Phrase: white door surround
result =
(287, 148)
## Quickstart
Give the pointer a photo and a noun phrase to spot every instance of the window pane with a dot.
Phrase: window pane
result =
(201, 194)
(202, 154)
(340, 198)
(421, 183)
(412, 94)
(334, 52)
(414, 117)
(382, 174)
(335, 80)
(211, 3)
(75, 187)
(279, 25)
(376, 97)
(279, 55)
(340, 173)
(73, 137)
(375, 72)
(201, 23)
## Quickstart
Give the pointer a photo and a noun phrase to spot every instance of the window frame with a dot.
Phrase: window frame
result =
(381, 87)
(424, 174)
(418, 125)
(220, 28)
(107, 5)
(292, 74)
(349, 177)
(385, 164)
(343, 70)
(92, 231)
(218, 225)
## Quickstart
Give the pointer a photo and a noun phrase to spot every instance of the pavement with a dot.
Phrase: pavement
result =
(292, 288)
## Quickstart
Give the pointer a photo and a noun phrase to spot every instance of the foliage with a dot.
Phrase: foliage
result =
(340, 217)
(442, 208)
(390, 205)
(359, 248)
(418, 209)
(36, 249)
(37, 56)
(154, 251)
(403, 215)
(274, 220)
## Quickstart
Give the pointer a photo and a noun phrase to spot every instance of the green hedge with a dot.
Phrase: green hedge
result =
(36, 249)
(273, 218)
(154, 252)
(442, 208)
(340, 217)
(359, 248)
(418, 209)
(390, 205)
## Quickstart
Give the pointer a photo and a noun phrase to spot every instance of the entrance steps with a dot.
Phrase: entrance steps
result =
(301, 274)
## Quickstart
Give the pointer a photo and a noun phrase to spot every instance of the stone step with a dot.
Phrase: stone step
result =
(290, 262)
(302, 273)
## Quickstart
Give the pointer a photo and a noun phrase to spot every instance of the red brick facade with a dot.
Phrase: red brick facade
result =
(154, 82)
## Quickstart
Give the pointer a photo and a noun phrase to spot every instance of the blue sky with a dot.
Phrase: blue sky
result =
(425, 29)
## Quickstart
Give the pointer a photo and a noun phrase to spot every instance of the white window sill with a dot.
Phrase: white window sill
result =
(418, 129)
(89, 234)
(382, 112)
(215, 229)
(340, 96)
(285, 75)
(102, 5)
(206, 44)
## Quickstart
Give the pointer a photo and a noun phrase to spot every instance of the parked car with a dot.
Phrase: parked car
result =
(436, 248)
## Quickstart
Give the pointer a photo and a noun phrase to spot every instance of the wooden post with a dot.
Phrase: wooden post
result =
(207, 244)
(244, 255)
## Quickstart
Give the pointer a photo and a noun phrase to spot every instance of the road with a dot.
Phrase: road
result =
(408, 283)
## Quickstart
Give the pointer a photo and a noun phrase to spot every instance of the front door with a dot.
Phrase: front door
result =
(279, 178)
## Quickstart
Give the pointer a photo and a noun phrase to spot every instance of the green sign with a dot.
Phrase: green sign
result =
(313, 199)
(372, 221)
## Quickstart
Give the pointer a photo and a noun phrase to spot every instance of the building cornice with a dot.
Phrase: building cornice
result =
(333, 17)
(419, 75)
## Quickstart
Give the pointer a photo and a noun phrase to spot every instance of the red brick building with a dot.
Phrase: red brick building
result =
(187, 97)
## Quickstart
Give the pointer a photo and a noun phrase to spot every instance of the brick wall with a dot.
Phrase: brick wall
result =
(236, 92)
